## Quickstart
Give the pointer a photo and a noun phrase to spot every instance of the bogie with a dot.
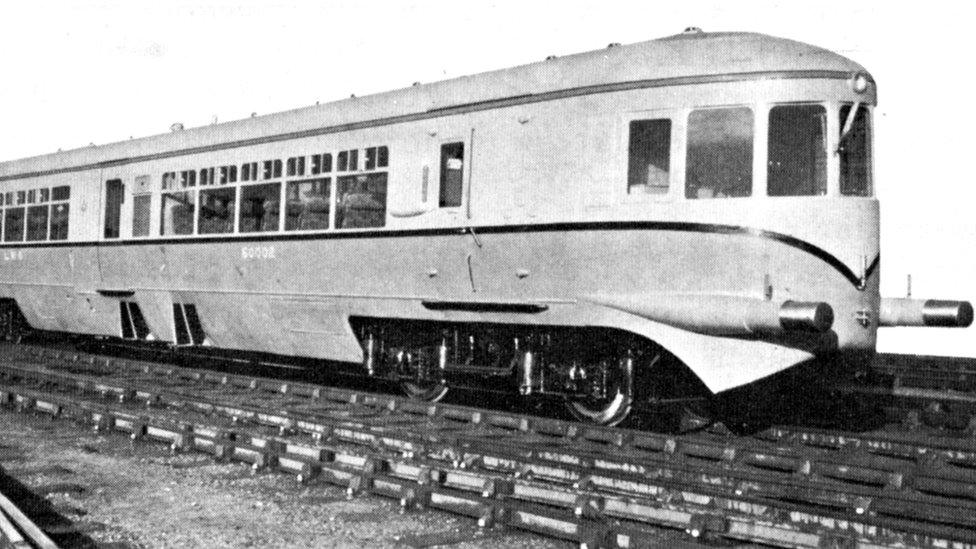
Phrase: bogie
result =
(599, 373)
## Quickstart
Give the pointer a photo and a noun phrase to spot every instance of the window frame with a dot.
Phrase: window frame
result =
(678, 118)
(757, 182)
(436, 193)
(831, 164)
(871, 145)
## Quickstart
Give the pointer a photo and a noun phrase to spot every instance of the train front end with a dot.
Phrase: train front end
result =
(762, 244)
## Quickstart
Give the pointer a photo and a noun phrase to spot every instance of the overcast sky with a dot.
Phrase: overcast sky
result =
(85, 72)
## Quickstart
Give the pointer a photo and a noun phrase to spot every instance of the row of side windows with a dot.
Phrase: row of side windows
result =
(214, 201)
(719, 153)
(35, 215)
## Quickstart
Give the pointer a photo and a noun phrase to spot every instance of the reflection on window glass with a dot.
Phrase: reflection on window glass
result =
(649, 165)
(260, 208)
(177, 213)
(797, 164)
(141, 205)
(361, 201)
(37, 222)
(217, 210)
(13, 225)
(307, 206)
(719, 162)
(855, 152)
(59, 221)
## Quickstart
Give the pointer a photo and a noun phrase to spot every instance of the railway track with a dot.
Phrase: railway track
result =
(921, 393)
(17, 530)
(788, 487)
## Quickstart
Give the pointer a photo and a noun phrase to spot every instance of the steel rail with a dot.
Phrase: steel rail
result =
(577, 468)
(18, 531)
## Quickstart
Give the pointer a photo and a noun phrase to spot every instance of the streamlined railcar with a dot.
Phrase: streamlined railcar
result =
(613, 228)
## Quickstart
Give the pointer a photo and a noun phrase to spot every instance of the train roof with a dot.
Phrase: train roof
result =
(687, 55)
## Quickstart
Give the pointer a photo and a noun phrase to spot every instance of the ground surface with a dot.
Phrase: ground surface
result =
(120, 495)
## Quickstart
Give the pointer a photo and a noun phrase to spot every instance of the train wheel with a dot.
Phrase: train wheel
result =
(615, 406)
(428, 391)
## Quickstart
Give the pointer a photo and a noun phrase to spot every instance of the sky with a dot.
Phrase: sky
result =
(80, 72)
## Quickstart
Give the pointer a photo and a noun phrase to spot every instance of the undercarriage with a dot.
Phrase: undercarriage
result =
(600, 373)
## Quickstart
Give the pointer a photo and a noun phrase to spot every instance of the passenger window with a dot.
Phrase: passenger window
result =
(649, 167)
(178, 210)
(797, 164)
(207, 177)
(59, 221)
(114, 196)
(452, 174)
(141, 205)
(13, 225)
(188, 178)
(719, 160)
(295, 166)
(308, 204)
(370, 158)
(361, 201)
(37, 217)
(260, 208)
(217, 210)
(272, 169)
(249, 171)
(855, 152)
(321, 163)
(228, 174)
(60, 193)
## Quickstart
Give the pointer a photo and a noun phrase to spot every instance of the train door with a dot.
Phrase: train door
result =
(111, 201)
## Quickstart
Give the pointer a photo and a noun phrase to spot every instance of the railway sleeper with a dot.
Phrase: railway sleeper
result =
(356, 469)
(564, 524)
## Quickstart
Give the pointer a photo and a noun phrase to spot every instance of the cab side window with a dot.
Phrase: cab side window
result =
(649, 165)
(452, 174)
(719, 161)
